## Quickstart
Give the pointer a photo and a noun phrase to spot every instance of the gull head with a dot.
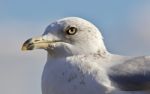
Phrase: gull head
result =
(68, 36)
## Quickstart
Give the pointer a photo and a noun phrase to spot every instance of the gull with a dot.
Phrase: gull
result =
(79, 63)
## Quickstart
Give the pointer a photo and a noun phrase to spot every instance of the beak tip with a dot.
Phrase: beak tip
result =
(23, 48)
(27, 45)
(34, 43)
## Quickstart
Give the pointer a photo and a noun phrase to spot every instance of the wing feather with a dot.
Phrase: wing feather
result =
(131, 75)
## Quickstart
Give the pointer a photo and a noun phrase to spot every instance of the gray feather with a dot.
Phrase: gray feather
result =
(132, 75)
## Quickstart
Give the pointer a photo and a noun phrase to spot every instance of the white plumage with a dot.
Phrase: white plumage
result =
(79, 63)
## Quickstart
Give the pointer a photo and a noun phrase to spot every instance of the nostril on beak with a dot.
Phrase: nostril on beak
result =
(36, 40)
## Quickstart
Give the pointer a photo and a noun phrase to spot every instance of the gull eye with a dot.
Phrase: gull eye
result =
(71, 30)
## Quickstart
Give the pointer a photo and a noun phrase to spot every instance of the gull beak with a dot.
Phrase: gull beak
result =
(36, 43)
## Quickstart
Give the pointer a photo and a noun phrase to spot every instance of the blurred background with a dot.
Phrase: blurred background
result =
(125, 25)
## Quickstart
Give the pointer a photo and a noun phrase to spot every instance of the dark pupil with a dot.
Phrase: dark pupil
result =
(72, 29)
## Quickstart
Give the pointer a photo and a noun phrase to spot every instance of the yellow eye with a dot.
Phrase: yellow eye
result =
(71, 31)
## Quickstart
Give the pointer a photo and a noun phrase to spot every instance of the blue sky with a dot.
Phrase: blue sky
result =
(125, 25)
